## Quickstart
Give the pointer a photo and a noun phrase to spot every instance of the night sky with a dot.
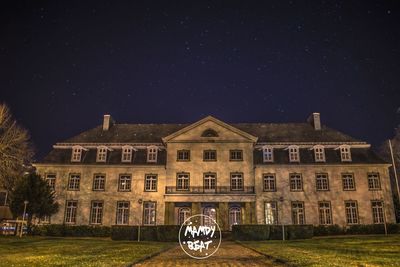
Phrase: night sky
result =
(65, 64)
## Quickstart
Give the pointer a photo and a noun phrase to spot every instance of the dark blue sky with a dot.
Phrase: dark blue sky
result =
(65, 64)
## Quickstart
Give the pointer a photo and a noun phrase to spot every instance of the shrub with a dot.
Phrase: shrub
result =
(299, 231)
(251, 232)
(148, 233)
(365, 229)
(325, 230)
(124, 232)
(393, 228)
(168, 233)
(276, 232)
(71, 230)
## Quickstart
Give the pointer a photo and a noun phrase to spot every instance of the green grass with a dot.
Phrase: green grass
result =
(338, 251)
(41, 251)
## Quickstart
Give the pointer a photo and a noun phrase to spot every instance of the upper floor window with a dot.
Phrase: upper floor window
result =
(126, 155)
(236, 154)
(150, 182)
(183, 155)
(74, 182)
(182, 181)
(209, 155)
(374, 182)
(348, 181)
(124, 183)
(268, 154)
(296, 182)
(76, 153)
(345, 153)
(319, 154)
(101, 154)
(236, 181)
(51, 181)
(322, 182)
(99, 181)
(269, 182)
(294, 154)
(152, 154)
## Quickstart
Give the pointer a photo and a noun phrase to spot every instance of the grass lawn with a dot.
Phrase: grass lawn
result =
(41, 251)
(338, 251)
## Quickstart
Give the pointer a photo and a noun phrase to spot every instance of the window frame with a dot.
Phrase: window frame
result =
(147, 209)
(125, 175)
(101, 155)
(356, 212)
(95, 176)
(234, 152)
(273, 180)
(126, 151)
(51, 181)
(96, 213)
(295, 182)
(238, 181)
(76, 154)
(274, 213)
(209, 151)
(344, 183)
(296, 217)
(179, 176)
(74, 188)
(324, 216)
(345, 153)
(152, 154)
(268, 153)
(183, 153)
(73, 212)
(123, 213)
(210, 174)
(319, 153)
(376, 219)
(321, 183)
(153, 183)
(377, 182)
(294, 153)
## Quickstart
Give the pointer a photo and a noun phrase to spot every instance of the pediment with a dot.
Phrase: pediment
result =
(210, 129)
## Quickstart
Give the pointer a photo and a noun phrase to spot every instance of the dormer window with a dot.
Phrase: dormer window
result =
(126, 155)
(268, 154)
(152, 154)
(294, 155)
(319, 153)
(76, 153)
(345, 153)
(101, 154)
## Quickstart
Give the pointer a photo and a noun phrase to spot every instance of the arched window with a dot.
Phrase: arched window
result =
(209, 133)
(183, 214)
(234, 216)
(212, 214)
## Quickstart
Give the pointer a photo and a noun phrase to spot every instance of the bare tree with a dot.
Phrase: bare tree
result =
(15, 149)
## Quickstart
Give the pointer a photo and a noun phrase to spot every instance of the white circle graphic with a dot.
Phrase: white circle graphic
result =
(201, 236)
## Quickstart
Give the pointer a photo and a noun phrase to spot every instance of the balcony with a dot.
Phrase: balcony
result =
(247, 190)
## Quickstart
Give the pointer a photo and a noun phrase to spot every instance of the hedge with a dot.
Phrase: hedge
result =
(357, 229)
(163, 233)
(71, 230)
(267, 232)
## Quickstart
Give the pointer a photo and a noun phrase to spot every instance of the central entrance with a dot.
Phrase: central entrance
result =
(211, 212)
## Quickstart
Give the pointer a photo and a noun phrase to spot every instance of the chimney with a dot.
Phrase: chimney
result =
(107, 122)
(315, 120)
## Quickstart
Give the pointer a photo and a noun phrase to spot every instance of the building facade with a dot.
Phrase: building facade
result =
(246, 173)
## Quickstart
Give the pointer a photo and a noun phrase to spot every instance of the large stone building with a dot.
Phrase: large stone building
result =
(245, 173)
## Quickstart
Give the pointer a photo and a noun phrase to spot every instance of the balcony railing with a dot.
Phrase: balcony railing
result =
(202, 190)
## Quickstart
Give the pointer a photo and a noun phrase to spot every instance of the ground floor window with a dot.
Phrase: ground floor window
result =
(377, 211)
(234, 216)
(122, 212)
(298, 216)
(149, 213)
(96, 212)
(212, 215)
(271, 212)
(183, 214)
(351, 212)
(325, 214)
(70, 211)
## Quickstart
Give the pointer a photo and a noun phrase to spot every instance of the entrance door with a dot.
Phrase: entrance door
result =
(209, 182)
(211, 213)
(234, 216)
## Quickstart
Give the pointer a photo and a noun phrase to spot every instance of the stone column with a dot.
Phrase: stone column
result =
(196, 208)
(169, 213)
(223, 216)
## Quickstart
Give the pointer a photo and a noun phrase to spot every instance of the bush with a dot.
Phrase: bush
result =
(365, 229)
(267, 232)
(168, 233)
(124, 232)
(299, 231)
(393, 228)
(251, 232)
(148, 233)
(325, 230)
(276, 232)
(71, 230)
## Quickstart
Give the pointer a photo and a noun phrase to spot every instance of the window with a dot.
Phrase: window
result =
(45, 219)
(271, 212)
(182, 181)
(268, 154)
(319, 154)
(96, 212)
(76, 154)
(211, 214)
(70, 211)
(345, 154)
(124, 183)
(236, 155)
(294, 155)
(348, 182)
(377, 211)
(298, 216)
(269, 182)
(209, 181)
(209, 133)
(351, 212)
(150, 182)
(152, 154)
(101, 154)
(122, 212)
(149, 213)
(126, 155)
(51, 181)
(322, 182)
(74, 181)
(210, 155)
(236, 181)
(99, 181)
(325, 214)
(296, 182)
(183, 214)
(234, 216)
(374, 182)
(183, 155)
